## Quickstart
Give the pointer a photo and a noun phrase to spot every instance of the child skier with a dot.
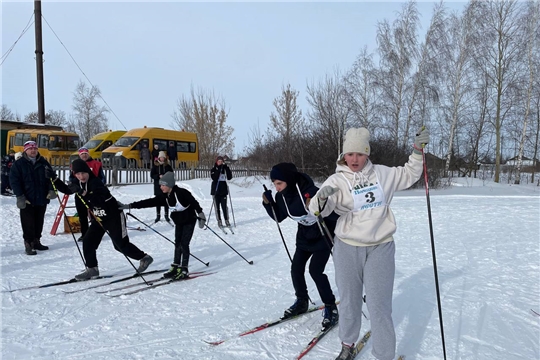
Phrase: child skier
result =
(184, 211)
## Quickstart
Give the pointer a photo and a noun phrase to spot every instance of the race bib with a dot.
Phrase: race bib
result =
(369, 197)
(222, 177)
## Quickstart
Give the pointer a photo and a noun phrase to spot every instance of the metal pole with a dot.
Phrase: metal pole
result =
(39, 62)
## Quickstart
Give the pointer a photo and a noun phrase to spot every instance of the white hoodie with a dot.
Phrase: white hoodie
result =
(373, 226)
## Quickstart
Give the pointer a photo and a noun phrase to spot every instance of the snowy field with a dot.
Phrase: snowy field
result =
(487, 242)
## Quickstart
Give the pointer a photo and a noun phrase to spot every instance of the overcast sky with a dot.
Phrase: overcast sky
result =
(143, 56)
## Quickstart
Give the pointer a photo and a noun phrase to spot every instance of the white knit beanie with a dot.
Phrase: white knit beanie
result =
(162, 154)
(356, 141)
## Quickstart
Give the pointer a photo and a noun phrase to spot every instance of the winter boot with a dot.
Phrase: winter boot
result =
(158, 217)
(219, 223)
(181, 274)
(29, 249)
(144, 263)
(172, 271)
(39, 246)
(227, 223)
(300, 306)
(347, 352)
(87, 274)
(167, 219)
(330, 316)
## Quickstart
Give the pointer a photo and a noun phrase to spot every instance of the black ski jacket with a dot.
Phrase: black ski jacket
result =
(308, 238)
(28, 179)
(157, 170)
(220, 188)
(183, 207)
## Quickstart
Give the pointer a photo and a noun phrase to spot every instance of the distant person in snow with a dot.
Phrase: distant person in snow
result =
(294, 189)
(185, 212)
(7, 162)
(108, 219)
(145, 156)
(172, 154)
(360, 193)
(220, 173)
(161, 166)
(97, 170)
(34, 192)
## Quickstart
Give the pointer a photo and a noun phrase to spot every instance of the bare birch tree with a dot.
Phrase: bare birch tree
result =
(88, 118)
(6, 114)
(287, 121)
(204, 113)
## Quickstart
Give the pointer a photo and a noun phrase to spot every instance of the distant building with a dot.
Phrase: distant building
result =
(525, 161)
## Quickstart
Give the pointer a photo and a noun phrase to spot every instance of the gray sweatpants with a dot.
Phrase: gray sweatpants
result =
(371, 267)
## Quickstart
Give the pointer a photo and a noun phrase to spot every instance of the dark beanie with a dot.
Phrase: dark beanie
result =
(284, 172)
(167, 179)
(79, 165)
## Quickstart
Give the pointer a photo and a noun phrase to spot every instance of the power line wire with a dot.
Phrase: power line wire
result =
(82, 70)
(28, 25)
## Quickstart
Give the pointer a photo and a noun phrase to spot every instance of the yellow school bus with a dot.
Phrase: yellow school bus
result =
(100, 142)
(54, 145)
(125, 152)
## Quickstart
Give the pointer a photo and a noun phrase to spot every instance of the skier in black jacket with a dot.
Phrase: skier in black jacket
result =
(220, 173)
(185, 212)
(107, 218)
(294, 189)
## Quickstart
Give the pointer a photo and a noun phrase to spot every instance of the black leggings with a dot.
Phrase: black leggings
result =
(318, 262)
(221, 201)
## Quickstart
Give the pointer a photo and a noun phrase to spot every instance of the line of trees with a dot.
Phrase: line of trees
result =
(473, 79)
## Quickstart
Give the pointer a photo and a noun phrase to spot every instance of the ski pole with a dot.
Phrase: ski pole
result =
(163, 236)
(108, 233)
(209, 228)
(279, 228)
(322, 227)
(213, 202)
(69, 225)
(230, 200)
(433, 250)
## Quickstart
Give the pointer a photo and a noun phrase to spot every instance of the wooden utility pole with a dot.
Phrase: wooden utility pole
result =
(39, 62)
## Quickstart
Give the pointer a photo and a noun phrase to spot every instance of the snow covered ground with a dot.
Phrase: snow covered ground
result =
(487, 243)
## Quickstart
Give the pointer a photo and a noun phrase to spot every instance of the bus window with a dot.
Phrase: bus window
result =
(43, 141)
(126, 141)
(162, 144)
(57, 142)
(20, 139)
(73, 143)
(192, 147)
(182, 146)
(105, 145)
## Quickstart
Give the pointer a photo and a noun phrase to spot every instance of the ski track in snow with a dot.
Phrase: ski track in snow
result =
(487, 244)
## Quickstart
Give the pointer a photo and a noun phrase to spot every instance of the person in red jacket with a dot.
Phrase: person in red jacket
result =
(97, 170)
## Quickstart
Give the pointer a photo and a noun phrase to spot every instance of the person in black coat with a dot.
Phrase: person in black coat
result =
(33, 191)
(185, 212)
(172, 154)
(161, 166)
(7, 162)
(294, 189)
(108, 218)
(220, 173)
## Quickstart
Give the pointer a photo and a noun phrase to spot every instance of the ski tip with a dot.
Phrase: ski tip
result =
(214, 343)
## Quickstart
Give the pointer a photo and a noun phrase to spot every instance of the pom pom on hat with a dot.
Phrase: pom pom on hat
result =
(30, 145)
(167, 179)
(357, 141)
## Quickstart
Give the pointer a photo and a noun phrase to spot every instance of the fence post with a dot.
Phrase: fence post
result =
(115, 174)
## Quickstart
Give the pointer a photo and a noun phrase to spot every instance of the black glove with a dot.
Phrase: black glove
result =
(49, 173)
(74, 188)
(268, 198)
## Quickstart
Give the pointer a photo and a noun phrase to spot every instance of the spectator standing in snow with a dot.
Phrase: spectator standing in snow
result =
(97, 170)
(172, 154)
(185, 212)
(155, 152)
(293, 190)
(161, 166)
(360, 193)
(7, 162)
(220, 173)
(109, 218)
(145, 156)
(33, 191)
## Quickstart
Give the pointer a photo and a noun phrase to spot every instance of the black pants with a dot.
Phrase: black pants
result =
(316, 270)
(5, 183)
(182, 238)
(82, 211)
(221, 201)
(115, 225)
(158, 210)
(32, 218)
